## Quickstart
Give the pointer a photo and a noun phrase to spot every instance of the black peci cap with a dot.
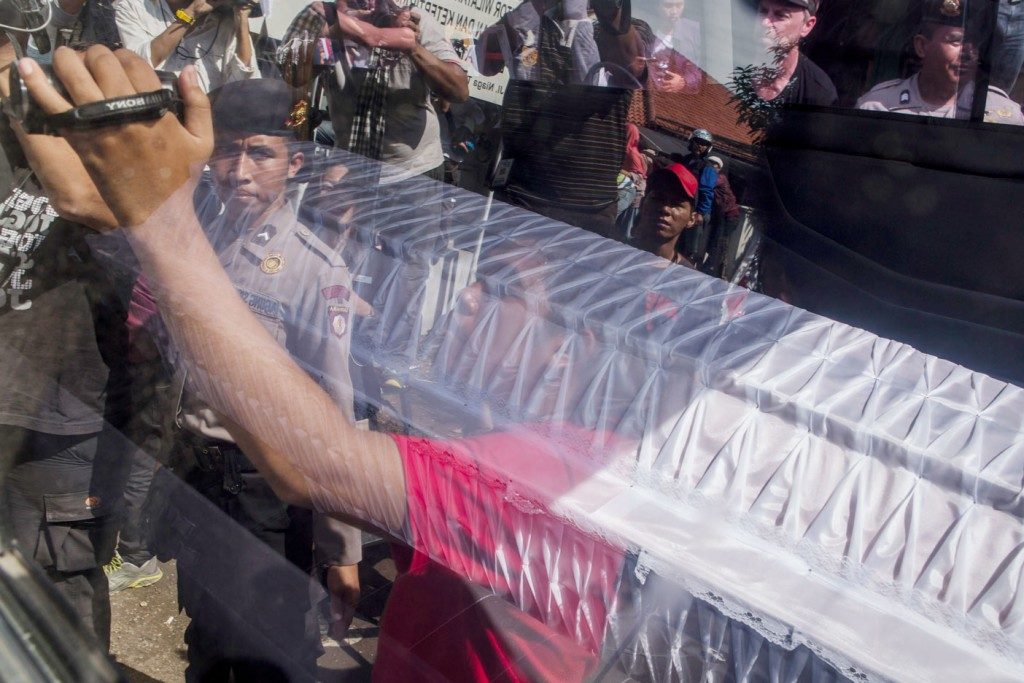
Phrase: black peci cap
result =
(262, 106)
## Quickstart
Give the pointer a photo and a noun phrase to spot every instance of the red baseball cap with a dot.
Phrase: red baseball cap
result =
(682, 176)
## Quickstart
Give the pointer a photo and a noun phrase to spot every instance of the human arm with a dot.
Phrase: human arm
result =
(344, 590)
(138, 34)
(324, 20)
(244, 51)
(365, 33)
(679, 76)
(299, 42)
(284, 422)
(338, 551)
(435, 59)
(317, 326)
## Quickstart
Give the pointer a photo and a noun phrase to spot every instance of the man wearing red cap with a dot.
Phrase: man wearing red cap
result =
(667, 210)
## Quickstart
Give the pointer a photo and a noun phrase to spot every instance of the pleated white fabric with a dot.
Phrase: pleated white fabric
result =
(801, 500)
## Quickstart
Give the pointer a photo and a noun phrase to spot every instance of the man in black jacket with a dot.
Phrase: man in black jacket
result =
(794, 79)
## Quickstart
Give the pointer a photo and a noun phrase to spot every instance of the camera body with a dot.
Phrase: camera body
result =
(230, 5)
(21, 107)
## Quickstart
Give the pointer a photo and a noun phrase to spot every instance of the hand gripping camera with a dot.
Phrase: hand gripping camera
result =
(33, 16)
(139, 107)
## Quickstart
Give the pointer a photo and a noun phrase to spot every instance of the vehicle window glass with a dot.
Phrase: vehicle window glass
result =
(1007, 55)
(922, 58)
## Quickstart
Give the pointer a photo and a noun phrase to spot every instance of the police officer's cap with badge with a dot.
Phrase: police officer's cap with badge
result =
(260, 107)
(944, 12)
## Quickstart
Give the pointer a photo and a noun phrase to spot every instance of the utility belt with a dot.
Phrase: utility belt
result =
(212, 456)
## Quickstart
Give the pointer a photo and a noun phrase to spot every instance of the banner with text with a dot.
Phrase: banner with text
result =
(463, 20)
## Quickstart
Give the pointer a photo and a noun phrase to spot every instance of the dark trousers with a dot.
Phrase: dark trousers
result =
(151, 428)
(694, 243)
(721, 252)
(244, 566)
(132, 543)
(62, 499)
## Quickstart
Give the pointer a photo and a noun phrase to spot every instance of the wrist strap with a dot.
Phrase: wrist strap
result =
(184, 17)
(140, 107)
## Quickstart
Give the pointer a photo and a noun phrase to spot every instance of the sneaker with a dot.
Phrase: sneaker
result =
(123, 574)
(115, 563)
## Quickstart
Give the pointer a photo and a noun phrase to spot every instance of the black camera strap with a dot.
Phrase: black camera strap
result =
(139, 107)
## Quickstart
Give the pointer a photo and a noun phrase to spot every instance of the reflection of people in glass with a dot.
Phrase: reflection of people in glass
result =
(944, 86)
(453, 611)
(666, 212)
(214, 37)
(675, 32)
(674, 64)
(795, 79)
(1008, 45)
(269, 256)
(386, 63)
(565, 143)
(695, 242)
(554, 42)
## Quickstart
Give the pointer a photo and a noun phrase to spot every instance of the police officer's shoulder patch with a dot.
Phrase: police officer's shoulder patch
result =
(886, 95)
(1001, 109)
(339, 292)
(337, 316)
(886, 84)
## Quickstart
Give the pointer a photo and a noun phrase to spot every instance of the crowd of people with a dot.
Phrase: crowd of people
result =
(92, 376)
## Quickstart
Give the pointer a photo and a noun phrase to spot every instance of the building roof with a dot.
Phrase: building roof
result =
(712, 108)
(663, 142)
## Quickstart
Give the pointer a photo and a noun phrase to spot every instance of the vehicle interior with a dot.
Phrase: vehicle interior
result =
(905, 227)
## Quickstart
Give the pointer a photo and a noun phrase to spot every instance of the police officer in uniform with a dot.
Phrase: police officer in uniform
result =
(944, 86)
(251, 618)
